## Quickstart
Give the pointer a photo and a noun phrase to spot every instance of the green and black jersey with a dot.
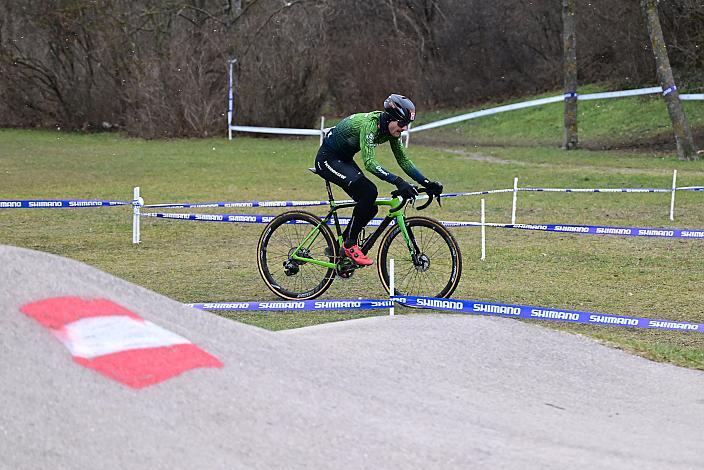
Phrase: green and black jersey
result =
(362, 132)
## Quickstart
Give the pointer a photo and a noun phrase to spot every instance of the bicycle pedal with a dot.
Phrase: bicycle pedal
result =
(345, 275)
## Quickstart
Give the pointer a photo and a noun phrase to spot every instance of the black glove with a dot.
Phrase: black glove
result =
(433, 187)
(405, 190)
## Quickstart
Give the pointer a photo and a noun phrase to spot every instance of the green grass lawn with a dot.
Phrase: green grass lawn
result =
(621, 122)
(204, 262)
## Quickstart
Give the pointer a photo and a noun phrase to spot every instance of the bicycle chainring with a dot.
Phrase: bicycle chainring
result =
(345, 268)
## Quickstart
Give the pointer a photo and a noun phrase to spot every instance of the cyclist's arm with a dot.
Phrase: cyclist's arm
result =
(404, 162)
(368, 150)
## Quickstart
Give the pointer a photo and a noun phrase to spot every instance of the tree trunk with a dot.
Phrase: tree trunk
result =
(680, 126)
(569, 39)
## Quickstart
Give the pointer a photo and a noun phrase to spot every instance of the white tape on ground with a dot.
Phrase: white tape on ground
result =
(481, 113)
(276, 130)
(487, 112)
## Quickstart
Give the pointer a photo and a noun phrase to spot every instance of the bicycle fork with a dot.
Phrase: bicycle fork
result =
(413, 249)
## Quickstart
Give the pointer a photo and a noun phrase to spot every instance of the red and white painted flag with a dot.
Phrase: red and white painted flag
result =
(106, 337)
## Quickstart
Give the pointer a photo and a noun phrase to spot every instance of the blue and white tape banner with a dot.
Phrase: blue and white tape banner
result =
(456, 306)
(202, 205)
(58, 203)
(611, 190)
(597, 190)
(669, 90)
(589, 229)
(80, 203)
(692, 97)
(605, 230)
(476, 193)
(278, 130)
(560, 228)
(541, 313)
(333, 304)
(548, 100)
(233, 218)
(483, 112)
(237, 218)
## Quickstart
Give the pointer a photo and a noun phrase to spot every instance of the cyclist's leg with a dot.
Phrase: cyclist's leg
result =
(336, 169)
(350, 178)
(365, 193)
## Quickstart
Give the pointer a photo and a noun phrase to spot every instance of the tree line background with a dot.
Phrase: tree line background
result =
(158, 68)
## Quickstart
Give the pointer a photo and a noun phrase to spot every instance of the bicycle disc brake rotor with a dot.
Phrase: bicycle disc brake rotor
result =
(421, 262)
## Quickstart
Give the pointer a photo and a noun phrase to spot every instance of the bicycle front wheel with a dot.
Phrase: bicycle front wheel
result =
(432, 272)
(300, 233)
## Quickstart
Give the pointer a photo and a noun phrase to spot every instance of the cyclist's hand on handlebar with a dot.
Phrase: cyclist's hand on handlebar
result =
(433, 188)
(405, 190)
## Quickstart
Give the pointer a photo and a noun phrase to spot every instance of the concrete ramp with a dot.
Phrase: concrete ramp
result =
(412, 391)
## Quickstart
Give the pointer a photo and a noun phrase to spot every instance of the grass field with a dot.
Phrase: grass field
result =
(203, 262)
(614, 123)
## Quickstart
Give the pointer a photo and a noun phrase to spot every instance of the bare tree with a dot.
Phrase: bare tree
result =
(569, 37)
(282, 64)
(415, 23)
(680, 125)
(158, 67)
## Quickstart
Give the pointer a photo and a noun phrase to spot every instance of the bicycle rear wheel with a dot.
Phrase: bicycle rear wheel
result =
(436, 269)
(288, 278)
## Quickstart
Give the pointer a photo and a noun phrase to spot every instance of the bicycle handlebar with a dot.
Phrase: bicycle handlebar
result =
(404, 201)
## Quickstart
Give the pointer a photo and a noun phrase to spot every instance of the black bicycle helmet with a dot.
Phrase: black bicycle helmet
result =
(400, 109)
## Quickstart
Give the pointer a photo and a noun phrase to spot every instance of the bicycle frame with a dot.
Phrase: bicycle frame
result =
(396, 213)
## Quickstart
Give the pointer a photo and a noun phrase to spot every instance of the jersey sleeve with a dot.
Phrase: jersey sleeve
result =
(367, 145)
(403, 161)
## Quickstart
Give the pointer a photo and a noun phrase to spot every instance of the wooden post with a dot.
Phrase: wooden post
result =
(680, 125)
(569, 40)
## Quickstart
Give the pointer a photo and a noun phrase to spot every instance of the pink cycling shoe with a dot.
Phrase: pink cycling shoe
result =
(356, 255)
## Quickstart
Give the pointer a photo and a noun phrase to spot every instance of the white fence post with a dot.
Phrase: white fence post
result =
(230, 99)
(137, 204)
(672, 199)
(391, 286)
(483, 219)
(515, 193)
(322, 129)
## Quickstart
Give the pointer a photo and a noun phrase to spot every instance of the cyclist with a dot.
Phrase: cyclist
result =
(364, 131)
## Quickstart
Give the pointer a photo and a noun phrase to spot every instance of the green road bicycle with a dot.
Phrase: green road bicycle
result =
(298, 255)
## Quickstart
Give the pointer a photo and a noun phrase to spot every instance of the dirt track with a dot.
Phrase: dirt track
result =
(411, 391)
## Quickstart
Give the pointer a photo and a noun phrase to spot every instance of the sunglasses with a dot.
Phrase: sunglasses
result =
(402, 123)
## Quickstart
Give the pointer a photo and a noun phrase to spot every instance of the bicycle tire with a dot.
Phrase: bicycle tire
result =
(444, 260)
(301, 281)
